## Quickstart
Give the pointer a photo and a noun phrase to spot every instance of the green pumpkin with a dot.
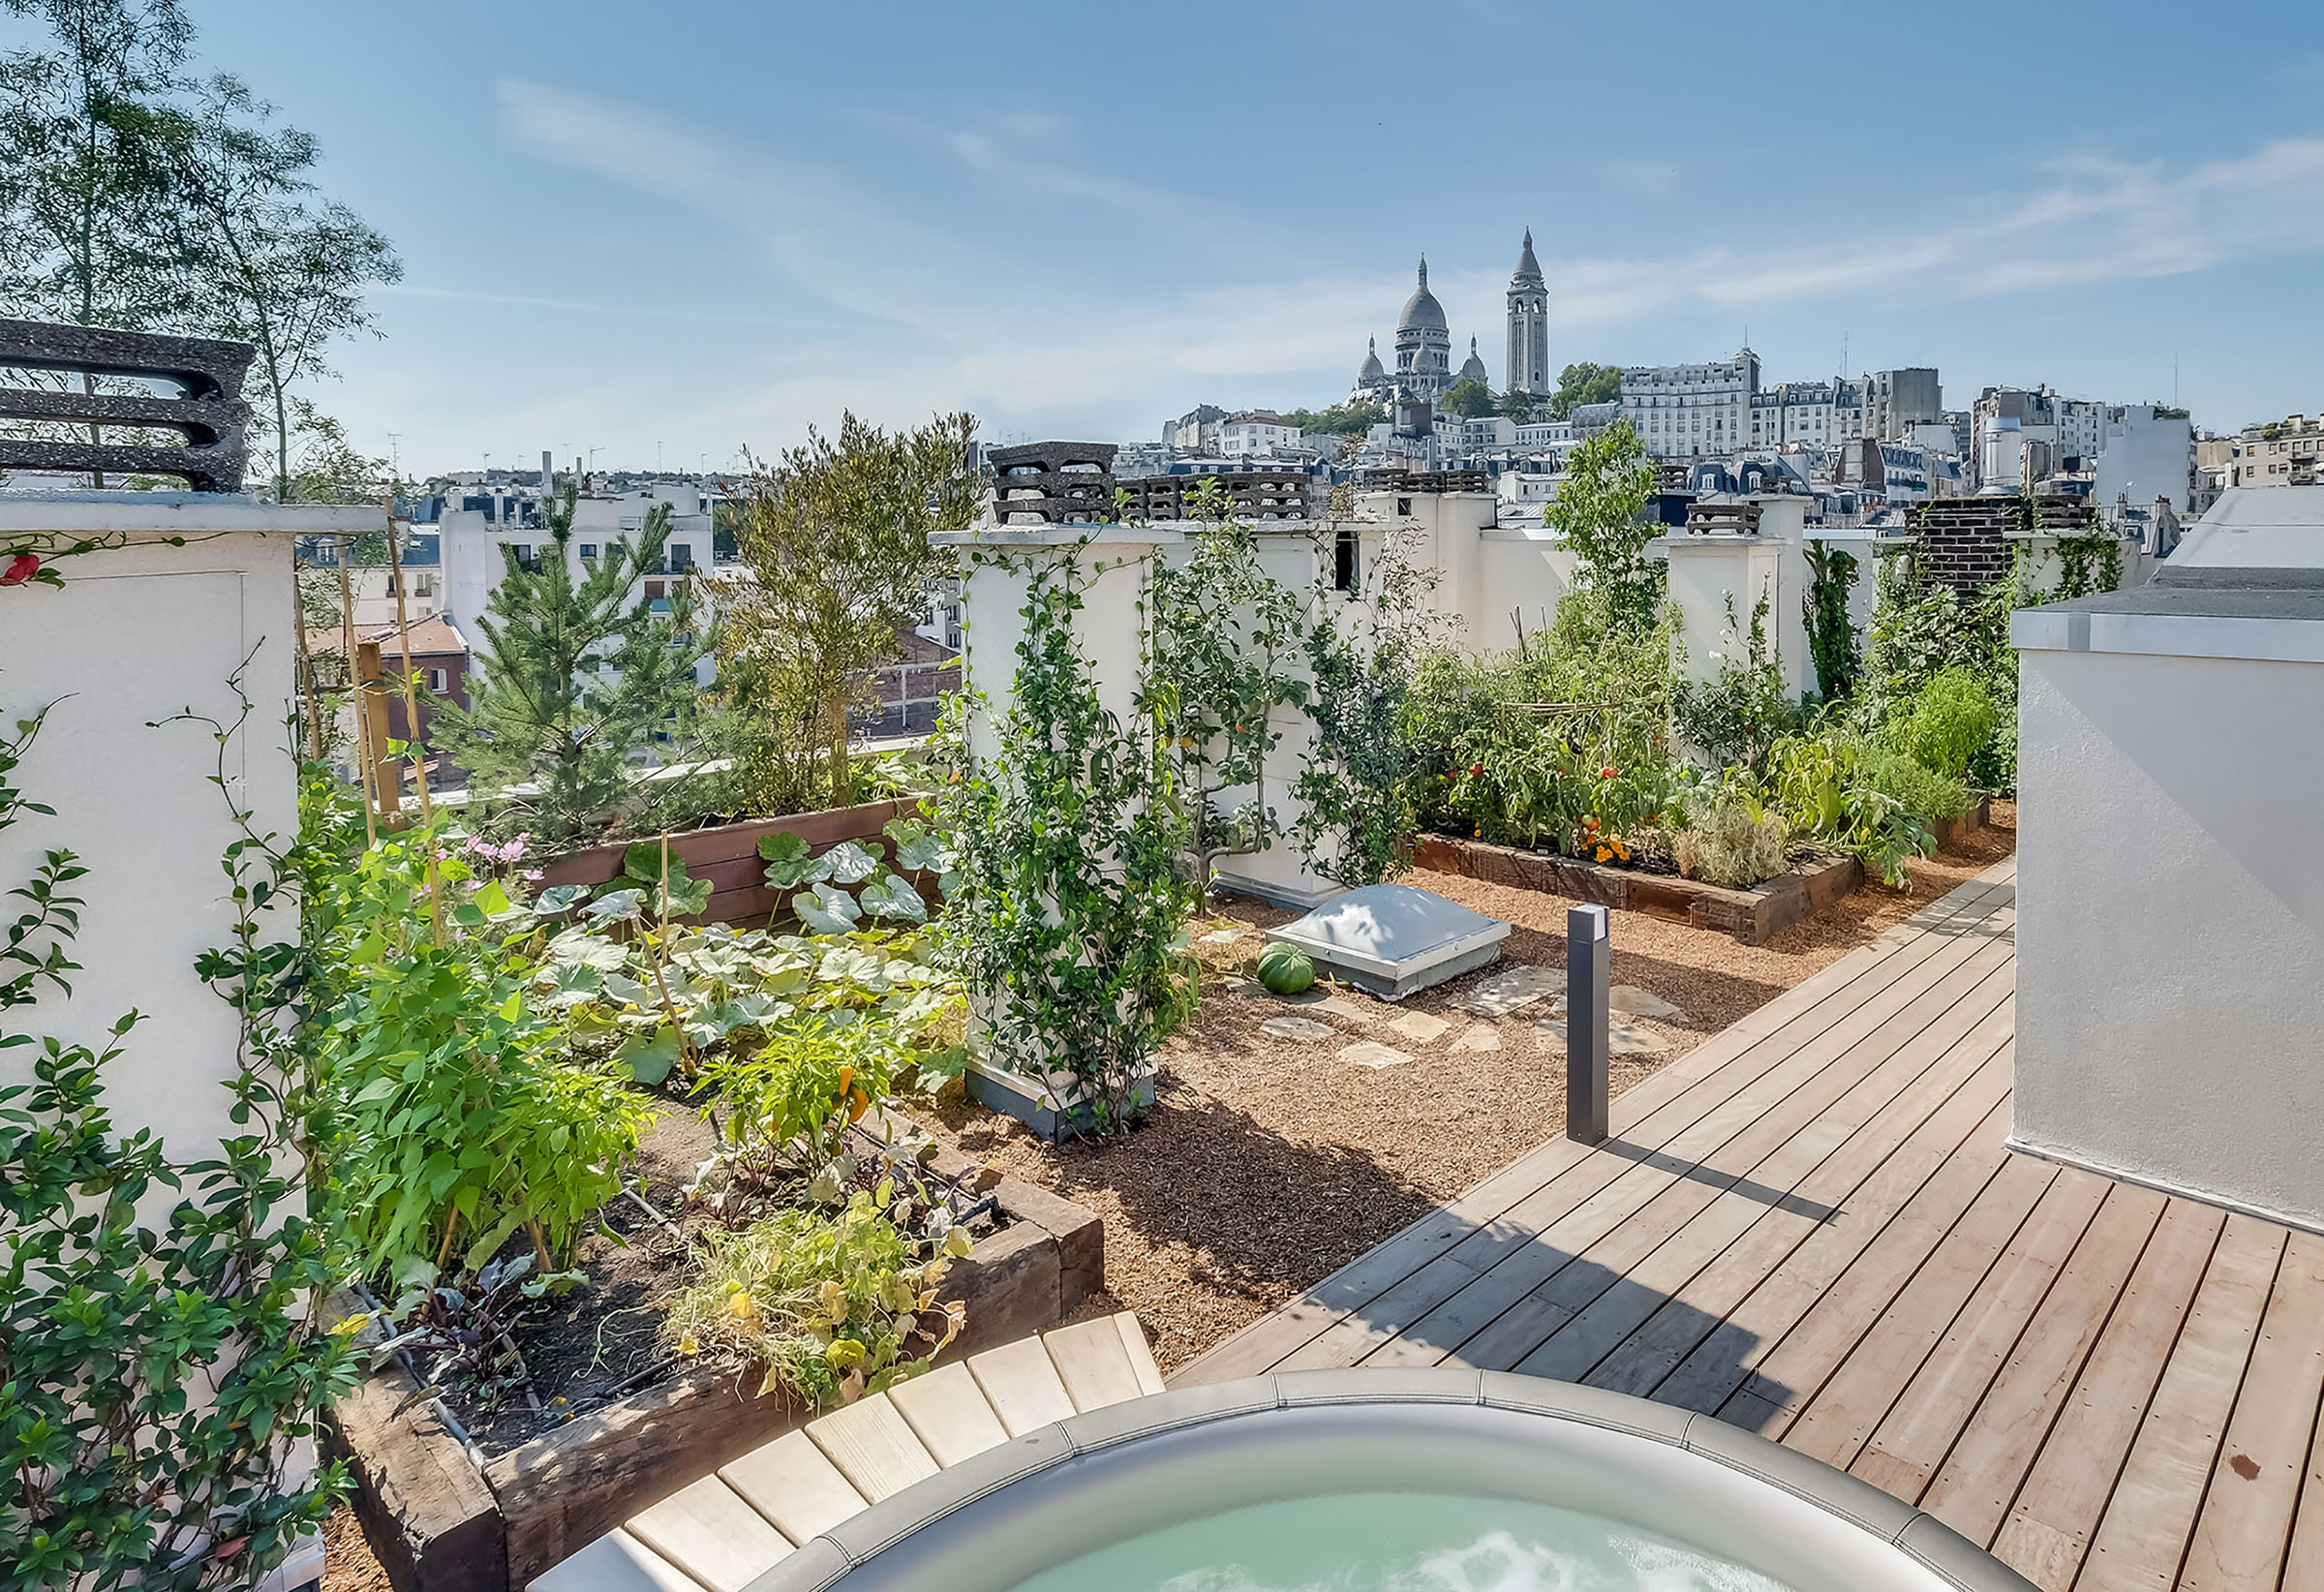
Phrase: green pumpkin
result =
(1285, 969)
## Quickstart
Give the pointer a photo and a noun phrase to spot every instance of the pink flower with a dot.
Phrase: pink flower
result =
(532, 876)
(20, 568)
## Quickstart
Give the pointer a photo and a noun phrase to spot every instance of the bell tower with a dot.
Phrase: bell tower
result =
(1528, 368)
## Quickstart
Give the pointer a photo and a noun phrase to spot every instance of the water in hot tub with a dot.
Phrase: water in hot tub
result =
(1400, 1542)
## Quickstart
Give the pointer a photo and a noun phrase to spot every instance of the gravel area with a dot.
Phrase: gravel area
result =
(1270, 1160)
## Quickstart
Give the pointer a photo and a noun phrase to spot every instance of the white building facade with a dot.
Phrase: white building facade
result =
(1692, 411)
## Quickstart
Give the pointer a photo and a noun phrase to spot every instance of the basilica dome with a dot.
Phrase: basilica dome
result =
(1421, 310)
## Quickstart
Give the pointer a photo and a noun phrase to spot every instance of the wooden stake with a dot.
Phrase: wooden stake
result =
(354, 693)
(386, 778)
(419, 762)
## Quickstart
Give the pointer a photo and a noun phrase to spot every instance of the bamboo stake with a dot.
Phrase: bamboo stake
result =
(303, 662)
(419, 762)
(347, 636)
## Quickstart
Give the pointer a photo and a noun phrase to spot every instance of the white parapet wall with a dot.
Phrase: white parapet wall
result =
(2170, 999)
(186, 590)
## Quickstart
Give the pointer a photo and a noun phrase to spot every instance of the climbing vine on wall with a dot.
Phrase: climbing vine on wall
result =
(1831, 635)
(1072, 895)
(2087, 563)
(160, 1333)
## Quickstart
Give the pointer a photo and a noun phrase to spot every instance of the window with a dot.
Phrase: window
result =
(1403, 506)
(438, 681)
(654, 588)
(528, 557)
(1344, 571)
(588, 552)
(682, 556)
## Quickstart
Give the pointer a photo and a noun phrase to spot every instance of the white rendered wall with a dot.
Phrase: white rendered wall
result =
(1525, 572)
(138, 634)
(2170, 1001)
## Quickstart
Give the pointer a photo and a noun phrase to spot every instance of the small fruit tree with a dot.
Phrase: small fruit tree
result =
(1065, 817)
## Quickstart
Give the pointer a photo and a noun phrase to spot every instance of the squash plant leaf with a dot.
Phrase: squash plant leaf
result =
(788, 862)
(826, 911)
(650, 1058)
(849, 863)
(890, 896)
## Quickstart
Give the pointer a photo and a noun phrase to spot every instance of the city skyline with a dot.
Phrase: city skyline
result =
(737, 224)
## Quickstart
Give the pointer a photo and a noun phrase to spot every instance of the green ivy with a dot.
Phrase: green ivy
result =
(1831, 633)
(162, 1351)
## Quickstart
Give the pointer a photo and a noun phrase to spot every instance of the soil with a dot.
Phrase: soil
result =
(586, 1346)
(1267, 1163)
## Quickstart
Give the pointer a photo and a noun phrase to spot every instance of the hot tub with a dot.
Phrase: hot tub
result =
(1399, 1481)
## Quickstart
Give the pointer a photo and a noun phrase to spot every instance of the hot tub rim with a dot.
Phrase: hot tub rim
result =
(818, 1564)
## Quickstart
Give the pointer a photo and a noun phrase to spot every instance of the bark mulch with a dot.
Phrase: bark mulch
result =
(1268, 1163)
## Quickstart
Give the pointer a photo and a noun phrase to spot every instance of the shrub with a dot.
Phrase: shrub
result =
(830, 1304)
(1950, 717)
(1735, 716)
(464, 1123)
(1729, 839)
(1072, 898)
(1919, 789)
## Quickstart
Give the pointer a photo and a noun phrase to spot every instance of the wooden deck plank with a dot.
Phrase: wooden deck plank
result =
(949, 1413)
(2304, 1558)
(1771, 1157)
(1969, 1480)
(1022, 1385)
(2246, 1523)
(1906, 1288)
(1843, 1152)
(1940, 1188)
(2142, 1538)
(2048, 1527)
(790, 1481)
(1092, 1362)
(1645, 1114)
(1866, 1183)
(708, 1531)
(873, 1447)
(1919, 1373)
(1500, 1265)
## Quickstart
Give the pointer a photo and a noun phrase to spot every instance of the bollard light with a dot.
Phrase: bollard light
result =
(1587, 1042)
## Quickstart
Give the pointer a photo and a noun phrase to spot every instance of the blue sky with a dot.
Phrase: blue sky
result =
(705, 226)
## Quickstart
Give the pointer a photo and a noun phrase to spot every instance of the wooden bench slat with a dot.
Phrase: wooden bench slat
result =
(948, 1412)
(873, 1447)
(1140, 1352)
(791, 1483)
(1093, 1363)
(616, 1562)
(1022, 1385)
(708, 1531)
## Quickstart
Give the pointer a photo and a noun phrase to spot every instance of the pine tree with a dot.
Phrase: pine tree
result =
(577, 678)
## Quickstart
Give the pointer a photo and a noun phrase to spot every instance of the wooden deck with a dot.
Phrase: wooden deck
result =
(1810, 1226)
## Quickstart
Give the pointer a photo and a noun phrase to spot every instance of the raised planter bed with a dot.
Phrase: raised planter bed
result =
(442, 1517)
(727, 855)
(1752, 916)
(1950, 833)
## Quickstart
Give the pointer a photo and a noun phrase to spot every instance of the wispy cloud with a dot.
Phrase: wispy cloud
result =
(916, 316)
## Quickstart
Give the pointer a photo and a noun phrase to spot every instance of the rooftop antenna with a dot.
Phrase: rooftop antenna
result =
(395, 439)
(2174, 381)
(657, 456)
